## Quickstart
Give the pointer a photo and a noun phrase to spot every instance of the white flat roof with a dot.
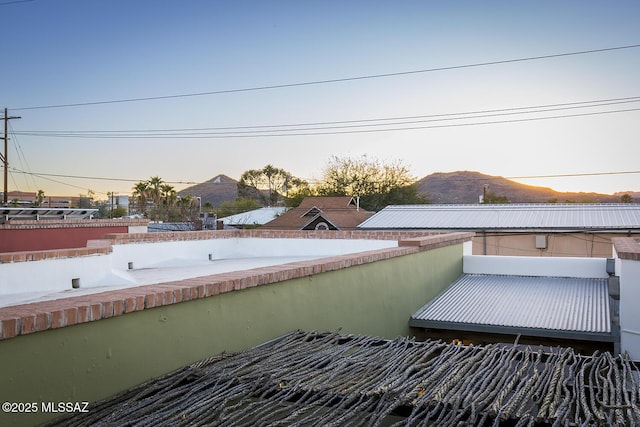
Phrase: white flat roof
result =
(167, 271)
(142, 264)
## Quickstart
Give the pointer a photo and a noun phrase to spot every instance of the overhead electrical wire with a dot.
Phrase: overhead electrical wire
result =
(326, 81)
(593, 103)
(298, 132)
(346, 126)
(22, 159)
(98, 178)
(38, 174)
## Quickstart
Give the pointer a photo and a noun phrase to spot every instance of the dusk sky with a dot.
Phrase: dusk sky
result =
(186, 90)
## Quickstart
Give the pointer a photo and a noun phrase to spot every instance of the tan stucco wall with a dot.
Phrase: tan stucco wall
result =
(596, 245)
(94, 360)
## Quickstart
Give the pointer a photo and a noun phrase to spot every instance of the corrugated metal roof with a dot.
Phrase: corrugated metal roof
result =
(622, 216)
(256, 216)
(520, 304)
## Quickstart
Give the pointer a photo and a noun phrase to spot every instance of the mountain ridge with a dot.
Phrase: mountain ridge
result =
(459, 187)
(467, 187)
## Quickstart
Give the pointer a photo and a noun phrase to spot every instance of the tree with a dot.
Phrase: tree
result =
(140, 195)
(162, 195)
(377, 183)
(240, 205)
(491, 198)
(186, 208)
(269, 185)
(155, 190)
(626, 198)
(105, 210)
(40, 198)
(85, 201)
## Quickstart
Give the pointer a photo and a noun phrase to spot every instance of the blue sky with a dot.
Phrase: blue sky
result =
(59, 52)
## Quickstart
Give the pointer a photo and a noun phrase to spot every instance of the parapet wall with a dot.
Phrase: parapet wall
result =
(88, 348)
(35, 317)
(48, 234)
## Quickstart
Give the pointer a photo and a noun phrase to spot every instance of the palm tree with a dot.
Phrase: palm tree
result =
(155, 189)
(141, 193)
(40, 198)
(169, 197)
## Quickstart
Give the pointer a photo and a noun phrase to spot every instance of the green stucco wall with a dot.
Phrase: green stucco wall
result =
(91, 361)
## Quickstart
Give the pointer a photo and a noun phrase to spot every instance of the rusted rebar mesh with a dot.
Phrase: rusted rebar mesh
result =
(332, 379)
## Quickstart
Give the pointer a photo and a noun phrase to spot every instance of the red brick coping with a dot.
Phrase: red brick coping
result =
(31, 224)
(35, 317)
(627, 247)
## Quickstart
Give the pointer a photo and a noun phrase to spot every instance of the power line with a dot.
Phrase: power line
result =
(329, 81)
(97, 178)
(297, 132)
(316, 180)
(326, 125)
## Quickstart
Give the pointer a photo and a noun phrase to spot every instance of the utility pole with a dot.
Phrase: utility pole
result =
(5, 158)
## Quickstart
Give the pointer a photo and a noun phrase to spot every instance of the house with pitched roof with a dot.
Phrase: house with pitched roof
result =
(322, 213)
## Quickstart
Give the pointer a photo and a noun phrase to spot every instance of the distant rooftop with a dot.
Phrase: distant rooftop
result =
(7, 213)
(546, 216)
(329, 213)
(254, 217)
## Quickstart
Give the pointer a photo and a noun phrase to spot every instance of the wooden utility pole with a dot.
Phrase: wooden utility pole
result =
(5, 157)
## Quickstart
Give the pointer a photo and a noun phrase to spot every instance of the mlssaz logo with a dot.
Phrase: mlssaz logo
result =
(65, 407)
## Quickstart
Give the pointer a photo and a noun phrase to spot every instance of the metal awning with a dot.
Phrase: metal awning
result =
(554, 307)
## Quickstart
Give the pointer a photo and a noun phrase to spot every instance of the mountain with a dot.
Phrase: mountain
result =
(467, 186)
(635, 195)
(452, 187)
(218, 189)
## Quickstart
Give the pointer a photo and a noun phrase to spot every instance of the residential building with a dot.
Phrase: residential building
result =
(322, 213)
(548, 230)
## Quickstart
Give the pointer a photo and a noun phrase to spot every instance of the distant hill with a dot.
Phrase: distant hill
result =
(218, 189)
(635, 195)
(452, 187)
(467, 186)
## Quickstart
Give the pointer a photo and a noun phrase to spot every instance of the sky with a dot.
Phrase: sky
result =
(123, 90)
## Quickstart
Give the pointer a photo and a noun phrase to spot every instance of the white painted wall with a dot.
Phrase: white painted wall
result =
(21, 282)
(35, 279)
(144, 255)
(535, 266)
(629, 272)
(467, 248)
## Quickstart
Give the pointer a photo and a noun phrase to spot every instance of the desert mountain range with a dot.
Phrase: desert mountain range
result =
(451, 187)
